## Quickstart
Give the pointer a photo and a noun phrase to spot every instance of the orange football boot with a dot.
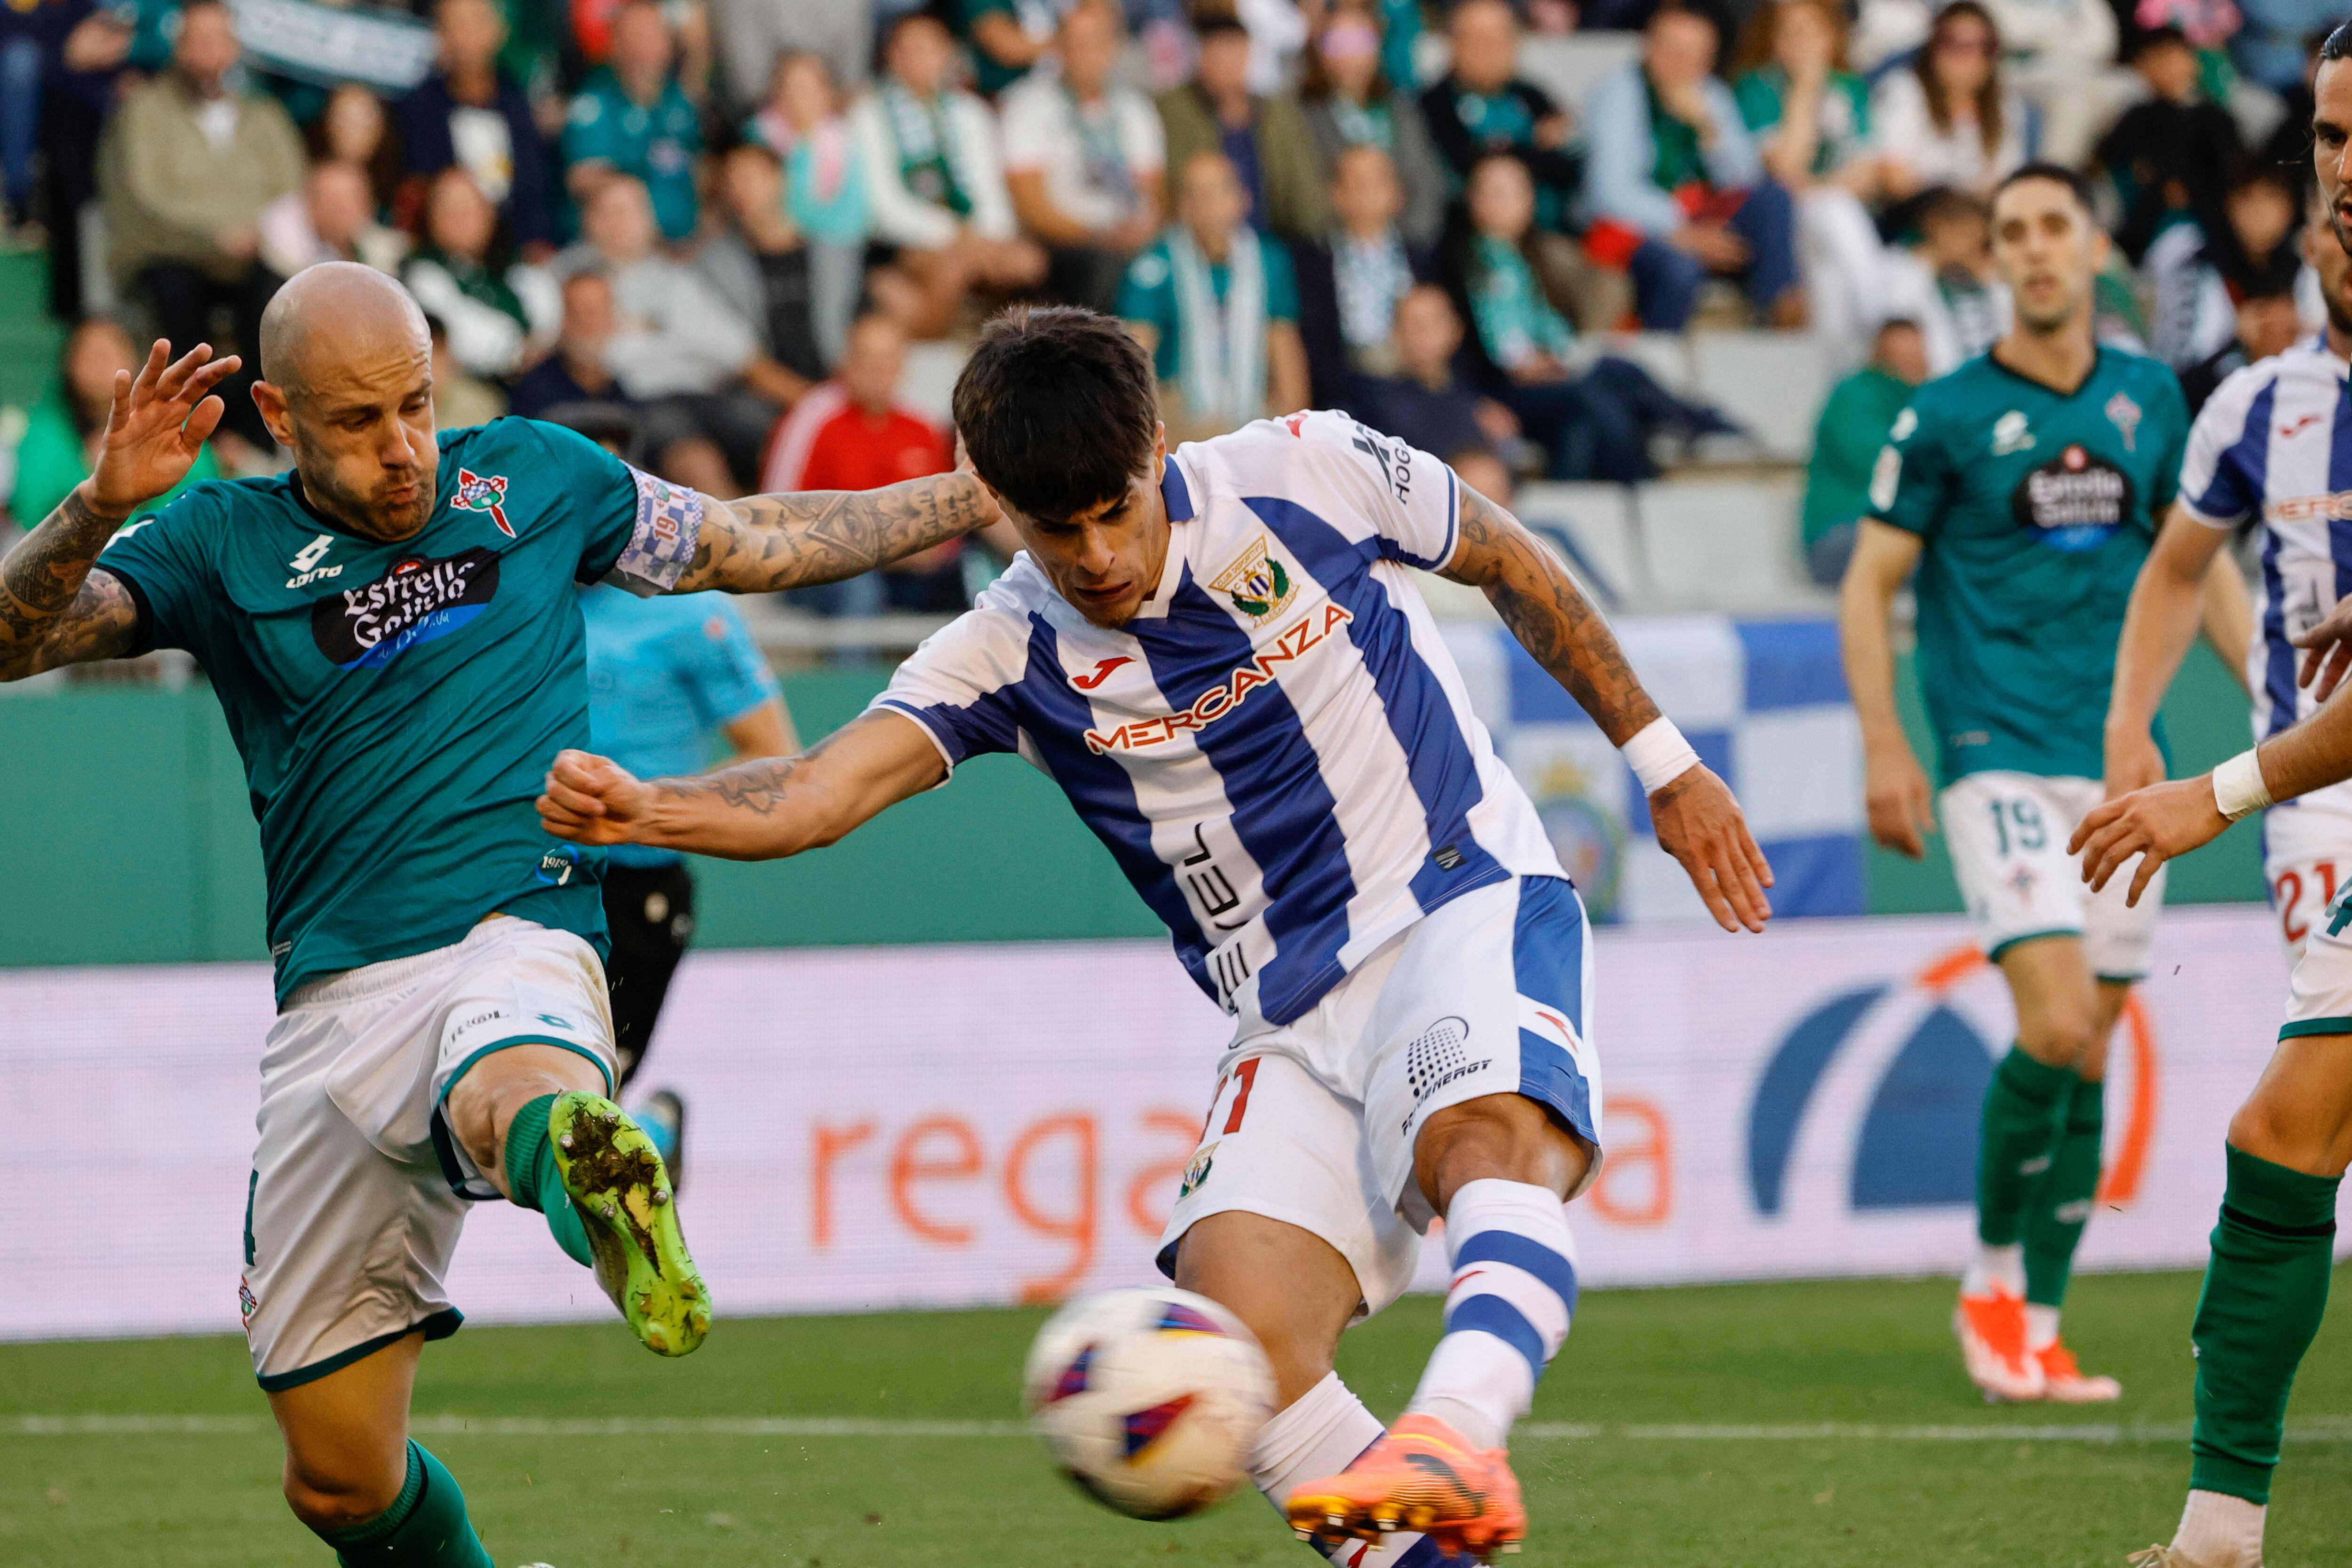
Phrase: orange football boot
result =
(1421, 1475)
(1992, 1331)
(2065, 1383)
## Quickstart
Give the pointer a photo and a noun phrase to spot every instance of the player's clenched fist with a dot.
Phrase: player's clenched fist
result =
(592, 799)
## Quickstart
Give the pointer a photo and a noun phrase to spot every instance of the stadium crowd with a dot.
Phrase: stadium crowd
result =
(717, 225)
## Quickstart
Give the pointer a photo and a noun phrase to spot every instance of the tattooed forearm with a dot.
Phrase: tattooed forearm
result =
(763, 543)
(51, 611)
(1549, 615)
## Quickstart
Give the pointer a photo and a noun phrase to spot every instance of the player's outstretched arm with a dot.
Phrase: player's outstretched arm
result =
(1697, 821)
(51, 611)
(2168, 820)
(1895, 789)
(2167, 603)
(760, 810)
(763, 543)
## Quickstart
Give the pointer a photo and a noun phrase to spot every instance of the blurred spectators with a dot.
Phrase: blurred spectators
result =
(2060, 57)
(1262, 135)
(1810, 118)
(1085, 161)
(676, 347)
(632, 117)
(853, 434)
(1522, 351)
(2275, 46)
(1348, 286)
(194, 164)
(2169, 156)
(353, 129)
(1217, 306)
(1851, 434)
(1424, 401)
(471, 114)
(936, 182)
(1006, 37)
(574, 375)
(1350, 101)
(753, 36)
(768, 274)
(1482, 105)
(1947, 119)
(499, 314)
(802, 123)
(330, 219)
(2196, 280)
(2266, 324)
(62, 436)
(85, 51)
(1672, 162)
(460, 398)
(1945, 283)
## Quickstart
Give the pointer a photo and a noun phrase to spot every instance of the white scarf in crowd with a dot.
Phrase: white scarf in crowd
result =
(1220, 349)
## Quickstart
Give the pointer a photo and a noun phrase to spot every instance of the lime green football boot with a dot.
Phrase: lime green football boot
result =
(624, 1197)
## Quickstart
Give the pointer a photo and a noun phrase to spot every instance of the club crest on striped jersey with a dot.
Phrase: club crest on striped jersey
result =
(483, 492)
(1257, 583)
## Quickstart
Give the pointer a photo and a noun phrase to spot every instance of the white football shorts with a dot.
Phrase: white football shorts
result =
(358, 1189)
(2007, 834)
(2306, 857)
(1313, 1122)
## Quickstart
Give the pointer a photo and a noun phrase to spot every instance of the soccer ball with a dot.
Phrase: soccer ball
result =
(1149, 1399)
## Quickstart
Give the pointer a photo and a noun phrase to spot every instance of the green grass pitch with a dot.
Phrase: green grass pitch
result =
(695, 1472)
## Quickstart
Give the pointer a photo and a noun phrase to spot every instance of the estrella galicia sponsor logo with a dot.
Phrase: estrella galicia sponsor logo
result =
(556, 867)
(2074, 502)
(421, 598)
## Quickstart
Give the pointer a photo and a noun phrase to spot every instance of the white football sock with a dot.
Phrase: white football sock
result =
(1514, 1290)
(1321, 1434)
(2001, 1266)
(2218, 1531)
(2041, 1326)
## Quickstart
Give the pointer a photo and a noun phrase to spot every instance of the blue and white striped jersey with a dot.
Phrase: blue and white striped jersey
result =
(1277, 750)
(2275, 440)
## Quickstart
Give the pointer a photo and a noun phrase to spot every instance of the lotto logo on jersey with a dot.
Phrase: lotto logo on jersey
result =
(421, 598)
(2076, 499)
(483, 492)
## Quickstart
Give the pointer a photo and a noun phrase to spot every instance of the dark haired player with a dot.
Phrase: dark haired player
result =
(1220, 656)
(2023, 489)
(2290, 1143)
(392, 630)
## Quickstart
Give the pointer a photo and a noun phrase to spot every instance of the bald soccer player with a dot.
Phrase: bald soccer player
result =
(394, 633)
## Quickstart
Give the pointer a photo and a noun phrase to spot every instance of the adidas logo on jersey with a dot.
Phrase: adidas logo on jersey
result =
(305, 564)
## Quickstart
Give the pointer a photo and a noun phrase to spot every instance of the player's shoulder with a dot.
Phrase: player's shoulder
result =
(515, 438)
(1294, 445)
(210, 508)
(1959, 396)
(2300, 364)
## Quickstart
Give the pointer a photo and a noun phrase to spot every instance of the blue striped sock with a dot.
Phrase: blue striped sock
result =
(1514, 1292)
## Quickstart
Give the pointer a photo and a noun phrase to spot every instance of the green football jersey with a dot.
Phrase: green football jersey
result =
(397, 705)
(2036, 508)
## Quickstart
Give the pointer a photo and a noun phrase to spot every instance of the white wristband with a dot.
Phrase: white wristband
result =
(1658, 755)
(2238, 788)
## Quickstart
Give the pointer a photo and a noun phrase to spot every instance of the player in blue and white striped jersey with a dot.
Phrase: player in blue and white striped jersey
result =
(1220, 656)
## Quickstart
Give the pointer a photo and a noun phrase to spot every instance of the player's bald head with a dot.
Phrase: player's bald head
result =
(336, 320)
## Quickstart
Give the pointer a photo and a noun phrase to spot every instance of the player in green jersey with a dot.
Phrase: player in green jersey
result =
(2022, 488)
(393, 634)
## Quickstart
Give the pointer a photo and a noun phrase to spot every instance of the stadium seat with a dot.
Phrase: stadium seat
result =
(1772, 382)
(928, 385)
(1665, 355)
(1595, 524)
(1724, 544)
(1570, 67)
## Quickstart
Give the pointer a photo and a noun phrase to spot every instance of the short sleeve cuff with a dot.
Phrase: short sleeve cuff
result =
(888, 704)
(2221, 520)
(142, 635)
(661, 541)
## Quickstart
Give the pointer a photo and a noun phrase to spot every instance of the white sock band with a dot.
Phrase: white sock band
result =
(1658, 755)
(1320, 1434)
(2238, 788)
(1514, 1292)
(2218, 1531)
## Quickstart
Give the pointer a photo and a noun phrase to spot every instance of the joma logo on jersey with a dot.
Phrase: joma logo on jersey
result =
(1227, 694)
(483, 492)
(1258, 584)
(305, 564)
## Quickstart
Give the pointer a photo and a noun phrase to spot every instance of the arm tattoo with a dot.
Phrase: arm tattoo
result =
(756, 787)
(51, 611)
(1549, 615)
(763, 543)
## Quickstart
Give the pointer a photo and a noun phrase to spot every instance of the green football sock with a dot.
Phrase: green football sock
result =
(2265, 1290)
(2025, 1108)
(536, 1180)
(2062, 1202)
(425, 1528)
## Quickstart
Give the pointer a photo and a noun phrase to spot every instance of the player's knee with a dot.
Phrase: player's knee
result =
(2060, 1036)
(1505, 1136)
(327, 1497)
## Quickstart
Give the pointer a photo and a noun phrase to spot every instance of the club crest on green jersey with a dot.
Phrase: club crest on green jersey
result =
(483, 492)
(2124, 414)
(1256, 582)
